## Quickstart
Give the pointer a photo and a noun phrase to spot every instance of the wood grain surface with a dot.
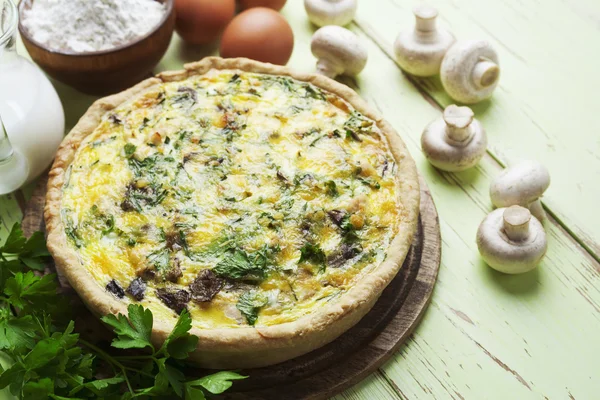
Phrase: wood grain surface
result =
(540, 110)
(338, 365)
(485, 335)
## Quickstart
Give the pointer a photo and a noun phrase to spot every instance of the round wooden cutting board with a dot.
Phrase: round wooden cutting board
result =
(341, 364)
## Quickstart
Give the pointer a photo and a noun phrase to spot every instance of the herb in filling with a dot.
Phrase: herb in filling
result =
(250, 304)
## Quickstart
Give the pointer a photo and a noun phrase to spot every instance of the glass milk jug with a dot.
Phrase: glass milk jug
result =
(29, 108)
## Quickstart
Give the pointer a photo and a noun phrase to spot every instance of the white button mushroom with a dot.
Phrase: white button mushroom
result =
(420, 51)
(511, 241)
(338, 51)
(521, 184)
(330, 12)
(470, 71)
(454, 142)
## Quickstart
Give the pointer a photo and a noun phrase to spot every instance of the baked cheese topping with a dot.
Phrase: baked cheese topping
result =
(244, 198)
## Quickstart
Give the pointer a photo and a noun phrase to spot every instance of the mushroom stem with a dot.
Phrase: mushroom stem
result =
(516, 223)
(485, 73)
(458, 134)
(537, 210)
(327, 68)
(458, 123)
(425, 18)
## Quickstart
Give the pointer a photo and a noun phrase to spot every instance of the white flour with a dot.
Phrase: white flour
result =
(90, 25)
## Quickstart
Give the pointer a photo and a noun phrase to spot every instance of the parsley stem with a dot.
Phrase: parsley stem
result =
(108, 358)
(148, 357)
(137, 371)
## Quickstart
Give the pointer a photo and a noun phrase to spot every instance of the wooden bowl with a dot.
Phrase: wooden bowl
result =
(107, 71)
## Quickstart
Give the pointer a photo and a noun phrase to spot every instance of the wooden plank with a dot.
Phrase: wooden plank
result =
(375, 387)
(488, 334)
(540, 109)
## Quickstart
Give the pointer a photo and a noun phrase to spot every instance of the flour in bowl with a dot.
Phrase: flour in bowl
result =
(90, 25)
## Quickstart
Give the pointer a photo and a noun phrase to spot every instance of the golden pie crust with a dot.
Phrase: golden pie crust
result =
(243, 347)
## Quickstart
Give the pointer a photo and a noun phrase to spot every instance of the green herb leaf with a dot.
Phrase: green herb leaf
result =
(160, 259)
(264, 257)
(48, 349)
(250, 304)
(98, 386)
(331, 189)
(175, 378)
(23, 289)
(192, 393)
(217, 383)
(133, 333)
(15, 240)
(236, 266)
(349, 234)
(35, 246)
(312, 253)
(17, 333)
(41, 389)
(313, 92)
(180, 343)
(130, 149)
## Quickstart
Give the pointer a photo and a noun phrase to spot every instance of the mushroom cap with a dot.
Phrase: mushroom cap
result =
(330, 12)
(420, 51)
(470, 71)
(340, 48)
(506, 255)
(450, 155)
(520, 184)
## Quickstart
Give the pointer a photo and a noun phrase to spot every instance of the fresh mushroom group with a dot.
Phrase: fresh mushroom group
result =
(510, 240)
(521, 184)
(330, 12)
(338, 51)
(421, 50)
(454, 142)
(470, 71)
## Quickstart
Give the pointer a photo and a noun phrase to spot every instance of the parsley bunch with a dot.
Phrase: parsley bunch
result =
(42, 357)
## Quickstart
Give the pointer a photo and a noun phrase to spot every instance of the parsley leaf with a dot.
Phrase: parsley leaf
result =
(192, 393)
(26, 289)
(312, 253)
(17, 333)
(133, 333)
(32, 252)
(180, 343)
(236, 266)
(250, 303)
(15, 241)
(349, 234)
(331, 189)
(217, 383)
(129, 149)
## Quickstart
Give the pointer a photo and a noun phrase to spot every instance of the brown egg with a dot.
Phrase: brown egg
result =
(274, 4)
(202, 21)
(260, 34)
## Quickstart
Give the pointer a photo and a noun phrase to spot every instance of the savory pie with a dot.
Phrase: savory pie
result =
(274, 206)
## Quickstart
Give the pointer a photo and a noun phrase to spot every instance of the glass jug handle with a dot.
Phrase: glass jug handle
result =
(14, 167)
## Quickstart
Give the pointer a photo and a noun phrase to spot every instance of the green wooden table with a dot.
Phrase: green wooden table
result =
(486, 335)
